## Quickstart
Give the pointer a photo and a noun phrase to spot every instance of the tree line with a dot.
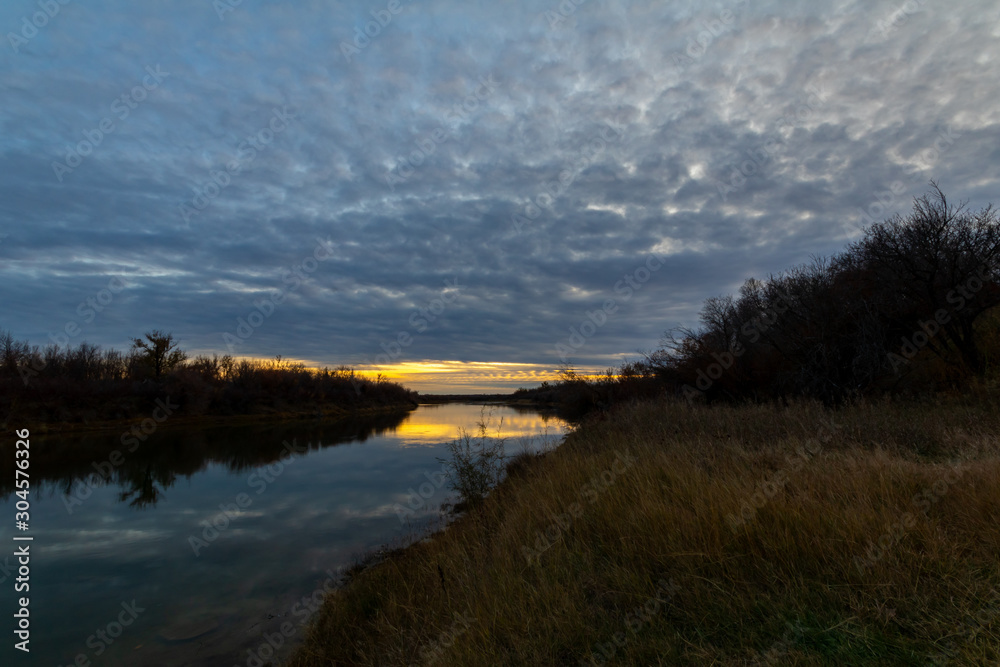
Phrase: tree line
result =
(86, 383)
(909, 307)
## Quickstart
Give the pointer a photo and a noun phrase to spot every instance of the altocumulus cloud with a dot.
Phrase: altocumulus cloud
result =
(822, 111)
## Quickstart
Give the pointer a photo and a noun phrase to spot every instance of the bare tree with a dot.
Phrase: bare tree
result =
(159, 351)
(13, 352)
(939, 258)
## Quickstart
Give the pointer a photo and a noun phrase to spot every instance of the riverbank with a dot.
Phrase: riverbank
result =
(329, 413)
(660, 533)
(86, 389)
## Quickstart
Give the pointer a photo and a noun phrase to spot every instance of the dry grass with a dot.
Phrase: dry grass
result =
(648, 570)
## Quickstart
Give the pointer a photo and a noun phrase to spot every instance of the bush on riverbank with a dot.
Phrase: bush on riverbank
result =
(661, 533)
(476, 462)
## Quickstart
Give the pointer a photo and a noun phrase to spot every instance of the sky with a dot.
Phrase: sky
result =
(465, 195)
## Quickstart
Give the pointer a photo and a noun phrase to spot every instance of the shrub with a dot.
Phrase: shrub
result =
(477, 462)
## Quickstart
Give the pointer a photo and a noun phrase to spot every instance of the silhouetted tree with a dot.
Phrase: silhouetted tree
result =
(939, 258)
(13, 352)
(159, 351)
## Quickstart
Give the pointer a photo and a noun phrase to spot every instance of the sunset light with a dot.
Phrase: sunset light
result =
(523, 332)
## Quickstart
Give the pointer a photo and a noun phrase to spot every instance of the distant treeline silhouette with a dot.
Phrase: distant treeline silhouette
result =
(908, 308)
(87, 383)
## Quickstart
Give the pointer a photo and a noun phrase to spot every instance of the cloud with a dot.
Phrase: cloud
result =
(850, 98)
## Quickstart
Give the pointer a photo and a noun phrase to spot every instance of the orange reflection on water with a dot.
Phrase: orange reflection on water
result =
(434, 424)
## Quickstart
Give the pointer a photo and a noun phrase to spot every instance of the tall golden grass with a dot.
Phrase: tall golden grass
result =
(665, 534)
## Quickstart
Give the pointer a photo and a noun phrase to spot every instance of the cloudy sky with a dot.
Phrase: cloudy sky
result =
(460, 187)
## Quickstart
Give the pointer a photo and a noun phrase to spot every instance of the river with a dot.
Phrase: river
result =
(212, 546)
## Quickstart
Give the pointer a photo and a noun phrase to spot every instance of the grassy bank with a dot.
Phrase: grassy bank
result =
(665, 534)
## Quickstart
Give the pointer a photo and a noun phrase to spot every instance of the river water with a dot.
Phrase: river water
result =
(212, 546)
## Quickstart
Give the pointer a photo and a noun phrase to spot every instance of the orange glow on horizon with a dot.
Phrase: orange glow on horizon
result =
(458, 377)
(449, 377)
(477, 377)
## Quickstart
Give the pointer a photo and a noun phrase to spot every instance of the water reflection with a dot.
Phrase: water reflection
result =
(73, 464)
(433, 424)
(130, 537)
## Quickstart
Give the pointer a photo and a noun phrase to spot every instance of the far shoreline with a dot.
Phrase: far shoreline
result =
(502, 399)
(330, 414)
